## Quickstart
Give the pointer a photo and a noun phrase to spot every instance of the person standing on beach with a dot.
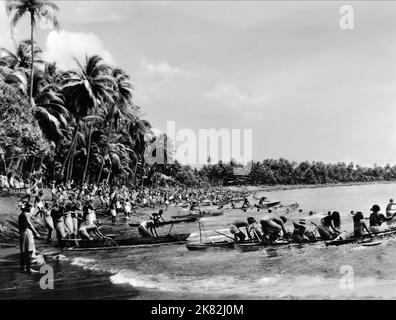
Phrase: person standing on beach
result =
(113, 210)
(57, 217)
(27, 232)
(45, 214)
(127, 208)
(246, 203)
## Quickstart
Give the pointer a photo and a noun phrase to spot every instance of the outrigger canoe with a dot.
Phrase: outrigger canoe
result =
(246, 245)
(267, 204)
(173, 221)
(365, 239)
(372, 239)
(123, 242)
(209, 213)
(256, 245)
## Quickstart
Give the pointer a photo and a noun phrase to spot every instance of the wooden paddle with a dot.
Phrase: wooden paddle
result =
(224, 235)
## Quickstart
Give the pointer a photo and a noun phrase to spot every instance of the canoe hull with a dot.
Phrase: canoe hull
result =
(366, 239)
(213, 213)
(268, 204)
(101, 243)
(173, 221)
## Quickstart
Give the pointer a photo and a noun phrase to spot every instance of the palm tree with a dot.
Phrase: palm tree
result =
(90, 122)
(50, 108)
(137, 131)
(21, 57)
(14, 65)
(122, 107)
(37, 11)
(86, 89)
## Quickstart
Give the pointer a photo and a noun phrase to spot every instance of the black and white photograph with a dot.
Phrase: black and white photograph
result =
(197, 151)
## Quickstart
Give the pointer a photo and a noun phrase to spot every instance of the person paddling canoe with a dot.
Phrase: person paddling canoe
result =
(389, 208)
(273, 228)
(300, 232)
(360, 227)
(330, 226)
(260, 203)
(253, 230)
(376, 219)
(156, 217)
(90, 231)
(236, 232)
(147, 229)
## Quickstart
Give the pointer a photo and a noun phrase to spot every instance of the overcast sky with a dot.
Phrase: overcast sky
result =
(307, 89)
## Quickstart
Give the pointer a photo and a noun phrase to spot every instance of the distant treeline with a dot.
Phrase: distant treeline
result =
(281, 171)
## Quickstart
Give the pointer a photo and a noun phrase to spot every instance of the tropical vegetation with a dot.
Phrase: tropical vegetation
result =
(82, 125)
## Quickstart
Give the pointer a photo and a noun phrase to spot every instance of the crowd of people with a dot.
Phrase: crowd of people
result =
(70, 212)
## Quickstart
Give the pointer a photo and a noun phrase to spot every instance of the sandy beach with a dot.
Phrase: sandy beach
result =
(75, 281)
(70, 281)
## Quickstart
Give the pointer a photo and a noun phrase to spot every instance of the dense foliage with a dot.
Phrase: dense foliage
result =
(282, 171)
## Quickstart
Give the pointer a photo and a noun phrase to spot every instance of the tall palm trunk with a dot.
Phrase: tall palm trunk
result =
(53, 169)
(88, 153)
(41, 162)
(11, 163)
(100, 172)
(72, 162)
(70, 149)
(32, 57)
(134, 172)
(107, 149)
(32, 167)
(5, 165)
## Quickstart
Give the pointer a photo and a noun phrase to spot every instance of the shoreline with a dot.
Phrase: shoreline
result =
(280, 187)
(71, 282)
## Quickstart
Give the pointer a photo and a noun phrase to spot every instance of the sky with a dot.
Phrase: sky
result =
(307, 89)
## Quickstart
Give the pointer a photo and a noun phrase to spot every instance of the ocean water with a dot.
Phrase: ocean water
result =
(310, 271)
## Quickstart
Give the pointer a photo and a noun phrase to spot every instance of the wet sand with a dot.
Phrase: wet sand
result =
(70, 282)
